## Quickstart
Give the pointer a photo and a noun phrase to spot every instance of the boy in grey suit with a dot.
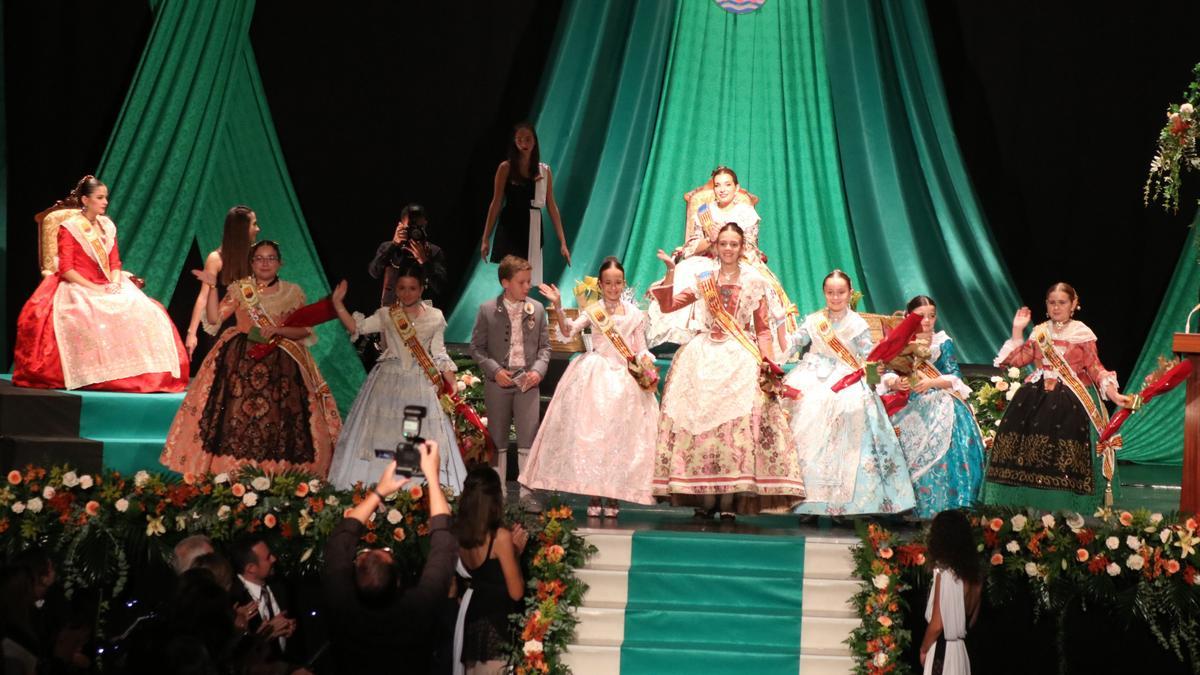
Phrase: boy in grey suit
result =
(511, 344)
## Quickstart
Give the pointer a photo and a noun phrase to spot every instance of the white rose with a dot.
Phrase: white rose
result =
(34, 505)
(532, 647)
(1018, 522)
(996, 378)
(1012, 391)
(1014, 372)
(1156, 518)
(250, 498)
(48, 492)
(223, 512)
(69, 479)
(86, 482)
(1013, 547)
(314, 485)
(221, 478)
(1112, 543)
(880, 659)
(1186, 110)
(483, 420)
(394, 517)
(121, 505)
(1135, 562)
(460, 386)
(331, 500)
(141, 478)
(1031, 569)
(1165, 536)
(1048, 521)
(1113, 569)
(18, 507)
(1133, 543)
(261, 483)
(1075, 522)
(881, 581)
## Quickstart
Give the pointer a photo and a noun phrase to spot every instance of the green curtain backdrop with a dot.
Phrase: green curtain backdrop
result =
(751, 92)
(595, 119)
(1155, 433)
(916, 222)
(194, 138)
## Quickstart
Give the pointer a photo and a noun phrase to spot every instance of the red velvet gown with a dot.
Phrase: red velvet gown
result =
(70, 337)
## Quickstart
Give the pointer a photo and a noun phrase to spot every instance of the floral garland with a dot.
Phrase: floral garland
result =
(548, 621)
(1176, 150)
(99, 523)
(1121, 554)
(990, 398)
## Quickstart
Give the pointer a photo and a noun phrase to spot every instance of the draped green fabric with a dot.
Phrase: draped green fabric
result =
(1154, 434)
(916, 222)
(751, 92)
(595, 119)
(195, 137)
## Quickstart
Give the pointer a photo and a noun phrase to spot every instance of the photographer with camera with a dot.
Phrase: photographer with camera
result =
(372, 619)
(410, 243)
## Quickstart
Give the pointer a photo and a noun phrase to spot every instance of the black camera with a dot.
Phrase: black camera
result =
(406, 453)
(417, 231)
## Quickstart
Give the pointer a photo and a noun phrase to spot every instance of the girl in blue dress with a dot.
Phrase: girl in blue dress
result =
(937, 430)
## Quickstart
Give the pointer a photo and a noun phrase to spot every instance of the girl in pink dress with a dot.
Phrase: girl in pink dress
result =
(598, 435)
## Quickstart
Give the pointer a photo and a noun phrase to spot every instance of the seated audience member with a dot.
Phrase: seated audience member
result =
(254, 563)
(188, 550)
(376, 626)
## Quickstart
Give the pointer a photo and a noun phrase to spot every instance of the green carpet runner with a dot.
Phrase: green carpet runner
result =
(701, 602)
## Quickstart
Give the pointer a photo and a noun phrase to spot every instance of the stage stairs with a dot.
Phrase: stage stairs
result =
(734, 602)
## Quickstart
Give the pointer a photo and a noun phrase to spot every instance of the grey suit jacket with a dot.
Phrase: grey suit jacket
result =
(493, 331)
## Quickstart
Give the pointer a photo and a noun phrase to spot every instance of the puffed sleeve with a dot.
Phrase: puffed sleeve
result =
(948, 366)
(366, 325)
(68, 252)
(227, 308)
(1096, 372)
(1014, 354)
(797, 341)
(862, 344)
(574, 326)
(668, 301)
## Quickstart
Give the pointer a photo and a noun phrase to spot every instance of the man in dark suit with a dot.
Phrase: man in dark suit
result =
(511, 344)
(253, 562)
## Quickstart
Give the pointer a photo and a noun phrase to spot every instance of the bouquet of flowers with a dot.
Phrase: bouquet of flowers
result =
(1176, 150)
(990, 398)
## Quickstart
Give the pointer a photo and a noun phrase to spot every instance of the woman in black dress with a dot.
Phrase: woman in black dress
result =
(525, 185)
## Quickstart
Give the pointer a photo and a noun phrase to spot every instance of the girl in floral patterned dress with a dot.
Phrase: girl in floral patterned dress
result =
(848, 452)
(937, 431)
(723, 444)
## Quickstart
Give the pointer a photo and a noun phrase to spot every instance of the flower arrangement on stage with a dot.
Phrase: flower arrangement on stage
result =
(101, 524)
(468, 383)
(990, 398)
(548, 621)
(1141, 565)
(1176, 150)
(886, 567)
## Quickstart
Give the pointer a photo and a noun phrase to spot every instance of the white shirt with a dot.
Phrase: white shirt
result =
(261, 599)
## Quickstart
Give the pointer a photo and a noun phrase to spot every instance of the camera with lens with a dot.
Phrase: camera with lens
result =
(406, 452)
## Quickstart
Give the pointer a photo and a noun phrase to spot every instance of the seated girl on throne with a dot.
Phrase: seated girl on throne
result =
(709, 207)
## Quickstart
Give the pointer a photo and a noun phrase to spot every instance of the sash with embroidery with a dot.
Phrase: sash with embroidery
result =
(638, 370)
(476, 435)
(771, 381)
(86, 233)
(927, 371)
(839, 348)
(248, 295)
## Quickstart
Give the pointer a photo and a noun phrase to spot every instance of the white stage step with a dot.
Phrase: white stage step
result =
(827, 616)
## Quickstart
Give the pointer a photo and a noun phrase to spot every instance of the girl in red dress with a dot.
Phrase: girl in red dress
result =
(88, 326)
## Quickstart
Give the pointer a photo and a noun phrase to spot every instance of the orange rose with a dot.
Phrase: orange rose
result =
(416, 492)
(996, 524)
(269, 520)
(92, 508)
(1126, 518)
(422, 529)
(238, 489)
(370, 538)
(885, 552)
(189, 478)
(885, 621)
(1081, 555)
(1172, 566)
(14, 477)
(997, 559)
(399, 534)
(302, 490)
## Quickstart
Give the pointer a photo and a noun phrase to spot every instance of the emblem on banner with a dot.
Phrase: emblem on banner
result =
(740, 6)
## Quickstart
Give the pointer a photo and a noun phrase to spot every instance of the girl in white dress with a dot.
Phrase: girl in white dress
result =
(598, 435)
(954, 598)
(396, 381)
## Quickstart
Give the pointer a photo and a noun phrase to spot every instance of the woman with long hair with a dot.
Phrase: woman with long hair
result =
(524, 185)
(273, 411)
(723, 443)
(955, 596)
(490, 559)
(89, 325)
(1043, 452)
(241, 230)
